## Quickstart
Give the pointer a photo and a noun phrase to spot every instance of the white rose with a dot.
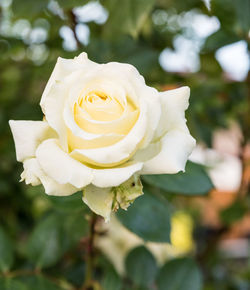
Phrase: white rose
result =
(102, 124)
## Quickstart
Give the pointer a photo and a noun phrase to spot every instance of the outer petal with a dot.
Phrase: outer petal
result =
(28, 135)
(176, 146)
(174, 103)
(57, 89)
(63, 68)
(99, 200)
(61, 167)
(33, 174)
(114, 176)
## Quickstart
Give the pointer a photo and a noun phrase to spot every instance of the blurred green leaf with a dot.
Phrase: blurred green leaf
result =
(6, 251)
(180, 274)
(148, 217)
(39, 283)
(219, 39)
(127, 16)
(111, 280)
(234, 212)
(242, 8)
(45, 246)
(233, 15)
(141, 266)
(12, 284)
(75, 226)
(54, 235)
(194, 181)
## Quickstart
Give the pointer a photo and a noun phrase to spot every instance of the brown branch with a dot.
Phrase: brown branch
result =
(73, 23)
(90, 254)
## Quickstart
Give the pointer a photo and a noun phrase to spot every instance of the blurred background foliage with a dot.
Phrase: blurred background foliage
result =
(169, 238)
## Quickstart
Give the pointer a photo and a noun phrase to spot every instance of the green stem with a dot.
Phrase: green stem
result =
(90, 254)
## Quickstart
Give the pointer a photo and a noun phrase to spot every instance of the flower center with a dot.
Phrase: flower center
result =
(101, 107)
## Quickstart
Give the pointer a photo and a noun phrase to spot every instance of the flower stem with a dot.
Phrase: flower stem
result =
(90, 253)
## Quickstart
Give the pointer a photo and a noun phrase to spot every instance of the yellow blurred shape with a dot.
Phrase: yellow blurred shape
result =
(181, 233)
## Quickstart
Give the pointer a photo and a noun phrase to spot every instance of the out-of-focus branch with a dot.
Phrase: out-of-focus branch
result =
(90, 254)
(73, 23)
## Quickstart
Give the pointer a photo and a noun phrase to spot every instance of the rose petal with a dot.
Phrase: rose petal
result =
(99, 200)
(63, 68)
(33, 174)
(176, 146)
(114, 176)
(121, 151)
(174, 103)
(154, 112)
(28, 135)
(57, 88)
(61, 167)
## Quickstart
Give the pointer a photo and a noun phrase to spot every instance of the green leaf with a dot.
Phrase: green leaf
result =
(45, 246)
(194, 181)
(148, 217)
(75, 226)
(6, 251)
(111, 280)
(12, 284)
(242, 8)
(233, 213)
(127, 16)
(39, 283)
(179, 274)
(218, 39)
(141, 266)
(54, 235)
(234, 15)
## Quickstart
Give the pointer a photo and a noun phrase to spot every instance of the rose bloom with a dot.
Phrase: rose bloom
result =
(102, 125)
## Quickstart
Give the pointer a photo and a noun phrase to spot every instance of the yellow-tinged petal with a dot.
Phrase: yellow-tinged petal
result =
(99, 200)
(61, 167)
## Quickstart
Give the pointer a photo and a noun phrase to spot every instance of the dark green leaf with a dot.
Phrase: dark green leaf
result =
(54, 235)
(141, 266)
(39, 283)
(75, 273)
(45, 246)
(218, 39)
(180, 274)
(148, 217)
(233, 213)
(111, 280)
(194, 181)
(75, 226)
(12, 284)
(6, 251)
(242, 8)
(234, 15)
